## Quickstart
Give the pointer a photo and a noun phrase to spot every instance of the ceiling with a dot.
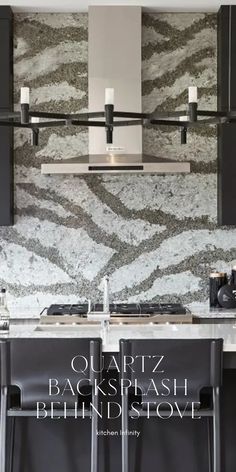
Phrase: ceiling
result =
(82, 5)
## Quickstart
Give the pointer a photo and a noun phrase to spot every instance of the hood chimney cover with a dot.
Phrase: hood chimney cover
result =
(115, 62)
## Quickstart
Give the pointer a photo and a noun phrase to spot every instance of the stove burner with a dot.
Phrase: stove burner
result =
(131, 309)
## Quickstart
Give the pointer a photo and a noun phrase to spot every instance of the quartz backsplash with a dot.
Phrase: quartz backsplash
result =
(156, 236)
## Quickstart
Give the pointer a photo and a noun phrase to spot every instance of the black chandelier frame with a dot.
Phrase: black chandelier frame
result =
(25, 119)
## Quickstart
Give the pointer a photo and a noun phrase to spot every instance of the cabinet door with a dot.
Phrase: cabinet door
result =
(226, 101)
(227, 174)
(6, 177)
(6, 104)
(6, 53)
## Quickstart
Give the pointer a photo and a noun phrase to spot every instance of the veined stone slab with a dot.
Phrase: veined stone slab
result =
(75, 190)
(57, 92)
(81, 255)
(20, 48)
(164, 62)
(179, 284)
(182, 21)
(32, 305)
(65, 147)
(170, 253)
(47, 61)
(191, 196)
(25, 199)
(55, 20)
(111, 223)
(20, 266)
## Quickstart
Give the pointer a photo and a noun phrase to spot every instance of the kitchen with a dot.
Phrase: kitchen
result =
(123, 254)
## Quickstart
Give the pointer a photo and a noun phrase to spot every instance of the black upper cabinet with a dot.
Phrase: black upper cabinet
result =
(6, 104)
(226, 101)
(6, 63)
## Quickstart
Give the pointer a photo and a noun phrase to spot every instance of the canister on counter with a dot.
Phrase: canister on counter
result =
(216, 281)
(233, 275)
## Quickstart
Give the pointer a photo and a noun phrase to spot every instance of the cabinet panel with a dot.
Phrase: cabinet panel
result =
(6, 64)
(6, 104)
(6, 177)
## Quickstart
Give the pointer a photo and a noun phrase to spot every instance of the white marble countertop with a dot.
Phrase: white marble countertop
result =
(115, 333)
(204, 311)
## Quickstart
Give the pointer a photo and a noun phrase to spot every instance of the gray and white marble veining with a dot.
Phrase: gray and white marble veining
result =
(155, 235)
(174, 195)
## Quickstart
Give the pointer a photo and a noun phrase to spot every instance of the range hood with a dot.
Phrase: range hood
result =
(97, 164)
(115, 62)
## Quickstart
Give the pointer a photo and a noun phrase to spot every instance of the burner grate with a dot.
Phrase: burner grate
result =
(130, 309)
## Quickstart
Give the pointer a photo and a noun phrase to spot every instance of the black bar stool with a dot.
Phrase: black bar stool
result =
(198, 360)
(29, 364)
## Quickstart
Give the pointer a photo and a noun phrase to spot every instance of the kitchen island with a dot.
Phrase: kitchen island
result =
(64, 444)
(203, 314)
(114, 333)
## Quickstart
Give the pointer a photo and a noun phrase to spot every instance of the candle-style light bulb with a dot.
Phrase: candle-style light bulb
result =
(24, 95)
(24, 104)
(192, 95)
(35, 119)
(109, 96)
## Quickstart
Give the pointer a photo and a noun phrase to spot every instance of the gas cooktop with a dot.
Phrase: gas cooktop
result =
(121, 309)
(121, 313)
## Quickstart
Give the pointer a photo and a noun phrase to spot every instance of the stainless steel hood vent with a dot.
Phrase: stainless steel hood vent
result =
(97, 164)
(115, 62)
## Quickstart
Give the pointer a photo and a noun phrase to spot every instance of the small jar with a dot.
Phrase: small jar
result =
(216, 281)
(233, 275)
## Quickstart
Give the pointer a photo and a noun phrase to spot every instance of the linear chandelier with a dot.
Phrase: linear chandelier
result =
(192, 117)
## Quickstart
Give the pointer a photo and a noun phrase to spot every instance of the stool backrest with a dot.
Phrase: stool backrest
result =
(32, 362)
(197, 360)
